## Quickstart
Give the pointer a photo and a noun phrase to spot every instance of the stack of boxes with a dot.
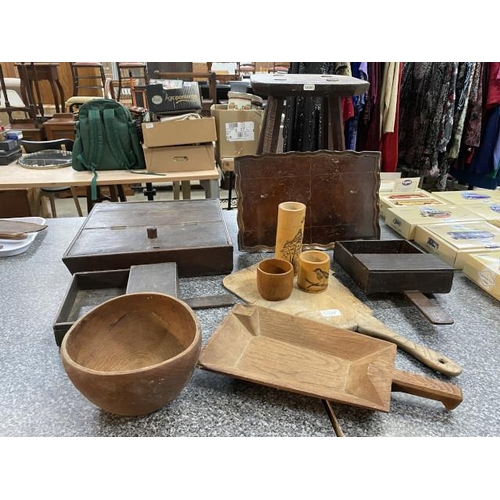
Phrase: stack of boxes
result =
(179, 145)
(462, 228)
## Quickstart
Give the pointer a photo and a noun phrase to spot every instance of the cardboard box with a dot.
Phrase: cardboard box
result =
(468, 197)
(178, 132)
(183, 99)
(398, 185)
(180, 158)
(489, 211)
(417, 198)
(452, 242)
(227, 164)
(484, 270)
(238, 131)
(404, 220)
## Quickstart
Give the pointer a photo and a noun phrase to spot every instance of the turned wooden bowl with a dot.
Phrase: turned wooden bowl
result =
(133, 354)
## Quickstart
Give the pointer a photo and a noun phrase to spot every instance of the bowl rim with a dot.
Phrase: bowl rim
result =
(68, 359)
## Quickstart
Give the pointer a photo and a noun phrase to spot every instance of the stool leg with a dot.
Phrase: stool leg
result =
(269, 134)
(230, 190)
(336, 138)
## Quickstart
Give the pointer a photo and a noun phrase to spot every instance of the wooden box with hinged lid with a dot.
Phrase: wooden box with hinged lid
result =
(191, 233)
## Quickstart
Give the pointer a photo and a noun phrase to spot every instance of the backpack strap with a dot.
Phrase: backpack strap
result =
(96, 145)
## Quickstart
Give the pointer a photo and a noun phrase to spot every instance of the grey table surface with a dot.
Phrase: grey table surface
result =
(38, 399)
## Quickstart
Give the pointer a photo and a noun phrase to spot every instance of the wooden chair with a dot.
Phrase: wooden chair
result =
(246, 68)
(22, 112)
(279, 67)
(89, 82)
(130, 75)
(67, 144)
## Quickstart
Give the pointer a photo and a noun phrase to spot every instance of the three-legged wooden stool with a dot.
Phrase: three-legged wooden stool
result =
(330, 87)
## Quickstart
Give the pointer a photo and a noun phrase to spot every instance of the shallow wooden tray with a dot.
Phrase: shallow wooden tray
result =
(91, 288)
(86, 291)
(397, 266)
(339, 189)
(393, 266)
(298, 355)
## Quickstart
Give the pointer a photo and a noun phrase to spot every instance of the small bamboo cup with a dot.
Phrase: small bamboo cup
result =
(314, 270)
(275, 279)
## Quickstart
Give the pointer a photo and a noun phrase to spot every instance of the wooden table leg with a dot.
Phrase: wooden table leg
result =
(268, 139)
(186, 190)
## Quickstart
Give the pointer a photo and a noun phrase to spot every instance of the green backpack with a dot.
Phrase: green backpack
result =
(106, 138)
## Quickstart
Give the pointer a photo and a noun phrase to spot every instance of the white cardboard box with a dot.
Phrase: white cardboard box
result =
(452, 242)
(404, 220)
(468, 197)
(489, 211)
(484, 270)
(417, 198)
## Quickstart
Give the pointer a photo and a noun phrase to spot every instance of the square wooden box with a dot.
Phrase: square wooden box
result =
(191, 233)
(89, 289)
(392, 266)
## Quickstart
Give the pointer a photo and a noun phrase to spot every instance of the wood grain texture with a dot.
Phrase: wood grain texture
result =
(291, 353)
(339, 189)
(191, 233)
(337, 306)
(133, 354)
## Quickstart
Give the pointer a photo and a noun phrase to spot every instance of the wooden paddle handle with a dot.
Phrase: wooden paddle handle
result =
(419, 385)
(430, 358)
(13, 236)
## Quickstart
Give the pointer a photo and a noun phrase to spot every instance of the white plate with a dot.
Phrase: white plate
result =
(15, 247)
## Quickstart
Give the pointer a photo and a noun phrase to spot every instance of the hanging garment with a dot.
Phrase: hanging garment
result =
(464, 83)
(359, 70)
(426, 115)
(368, 134)
(474, 115)
(389, 116)
(484, 168)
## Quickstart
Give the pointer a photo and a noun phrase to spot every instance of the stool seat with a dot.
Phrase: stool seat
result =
(332, 88)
